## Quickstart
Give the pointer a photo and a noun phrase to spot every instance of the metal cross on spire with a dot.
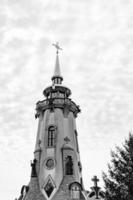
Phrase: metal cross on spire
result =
(57, 47)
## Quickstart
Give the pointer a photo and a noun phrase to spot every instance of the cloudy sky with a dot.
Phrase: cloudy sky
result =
(96, 63)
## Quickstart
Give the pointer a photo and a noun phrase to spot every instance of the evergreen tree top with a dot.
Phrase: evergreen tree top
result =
(119, 179)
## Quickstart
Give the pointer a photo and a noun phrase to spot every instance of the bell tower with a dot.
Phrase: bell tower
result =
(56, 169)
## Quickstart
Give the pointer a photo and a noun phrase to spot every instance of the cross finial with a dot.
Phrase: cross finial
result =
(95, 187)
(57, 47)
(95, 180)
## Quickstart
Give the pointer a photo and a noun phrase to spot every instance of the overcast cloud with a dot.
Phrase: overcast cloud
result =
(96, 63)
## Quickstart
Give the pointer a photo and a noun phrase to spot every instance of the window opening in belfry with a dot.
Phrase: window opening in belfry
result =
(51, 136)
(68, 166)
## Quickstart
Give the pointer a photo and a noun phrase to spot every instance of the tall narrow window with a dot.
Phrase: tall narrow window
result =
(69, 166)
(51, 136)
(76, 137)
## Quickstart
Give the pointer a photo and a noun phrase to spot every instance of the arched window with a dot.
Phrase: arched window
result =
(75, 190)
(68, 166)
(51, 136)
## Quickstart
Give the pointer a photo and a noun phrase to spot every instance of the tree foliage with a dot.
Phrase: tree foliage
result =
(119, 179)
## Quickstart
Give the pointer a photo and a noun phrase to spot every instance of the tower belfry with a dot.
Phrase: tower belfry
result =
(56, 169)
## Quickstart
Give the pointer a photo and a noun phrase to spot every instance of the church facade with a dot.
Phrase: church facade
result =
(56, 171)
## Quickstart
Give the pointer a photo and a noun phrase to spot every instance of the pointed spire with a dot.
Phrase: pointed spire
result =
(57, 66)
(57, 78)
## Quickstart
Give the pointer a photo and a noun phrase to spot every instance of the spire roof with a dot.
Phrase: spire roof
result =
(57, 71)
(57, 78)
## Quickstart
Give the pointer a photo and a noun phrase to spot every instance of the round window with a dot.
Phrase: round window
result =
(50, 163)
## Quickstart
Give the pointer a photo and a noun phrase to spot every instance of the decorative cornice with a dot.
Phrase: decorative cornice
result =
(57, 103)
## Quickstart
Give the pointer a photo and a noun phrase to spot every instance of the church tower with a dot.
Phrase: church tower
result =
(56, 169)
